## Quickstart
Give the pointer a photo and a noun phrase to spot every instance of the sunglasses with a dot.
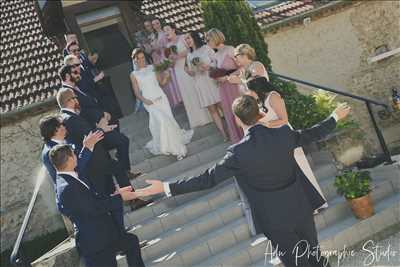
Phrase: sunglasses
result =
(75, 65)
(74, 50)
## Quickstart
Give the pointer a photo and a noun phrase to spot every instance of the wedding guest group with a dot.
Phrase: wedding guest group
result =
(215, 83)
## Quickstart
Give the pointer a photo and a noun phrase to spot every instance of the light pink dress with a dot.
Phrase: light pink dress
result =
(228, 91)
(299, 154)
(197, 115)
(206, 87)
(171, 89)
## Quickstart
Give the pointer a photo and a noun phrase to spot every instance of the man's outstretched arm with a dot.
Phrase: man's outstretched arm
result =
(321, 130)
(220, 172)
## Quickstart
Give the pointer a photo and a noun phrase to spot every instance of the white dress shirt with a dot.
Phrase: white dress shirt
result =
(75, 175)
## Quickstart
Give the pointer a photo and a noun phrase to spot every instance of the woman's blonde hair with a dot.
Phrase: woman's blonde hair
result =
(216, 36)
(247, 50)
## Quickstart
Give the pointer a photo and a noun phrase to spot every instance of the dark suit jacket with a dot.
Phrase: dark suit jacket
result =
(92, 213)
(83, 158)
(264, 165)
(100, 166)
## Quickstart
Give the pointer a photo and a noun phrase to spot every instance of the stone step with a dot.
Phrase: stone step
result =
(139, 152)
(156, 162)
(227, 192)
(178, 167)
(338, 209)
(137, 123)
(252, 251)
(205, 246)
(184, 233)
(350, 231)
(163, 204)
(138, 142)
(225, 242)
(157, 225)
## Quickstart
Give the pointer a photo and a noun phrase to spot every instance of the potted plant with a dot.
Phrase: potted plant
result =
(355, 186)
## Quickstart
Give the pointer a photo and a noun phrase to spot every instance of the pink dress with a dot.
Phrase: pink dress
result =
(171, 89)
(228, 92)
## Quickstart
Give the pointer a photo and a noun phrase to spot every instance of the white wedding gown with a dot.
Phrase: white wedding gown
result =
(167, 136)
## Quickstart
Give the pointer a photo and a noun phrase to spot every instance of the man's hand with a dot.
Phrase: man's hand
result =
(99, 77)
(342, 111)
(148, 102)
(128, 195)
(156, 187)
(234, 79)
(90, 140)
(107, 116)
(103, 124)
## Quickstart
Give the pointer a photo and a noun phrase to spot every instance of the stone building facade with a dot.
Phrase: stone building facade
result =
(21, 167)
(334, 45)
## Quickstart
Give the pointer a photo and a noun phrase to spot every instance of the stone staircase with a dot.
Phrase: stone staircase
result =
(208, 228)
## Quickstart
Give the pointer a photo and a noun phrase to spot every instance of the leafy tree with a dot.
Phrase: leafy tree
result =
(236, 20)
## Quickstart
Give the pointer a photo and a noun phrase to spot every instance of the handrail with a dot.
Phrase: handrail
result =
(336, 91)
(16, 257)
(367, 101)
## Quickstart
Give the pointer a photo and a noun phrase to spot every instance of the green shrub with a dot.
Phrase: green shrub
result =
(353, 184)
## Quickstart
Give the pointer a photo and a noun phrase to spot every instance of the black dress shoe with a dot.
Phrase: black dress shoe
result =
(133, 175)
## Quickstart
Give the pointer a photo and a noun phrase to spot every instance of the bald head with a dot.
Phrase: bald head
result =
(71, 59)
(64, 97)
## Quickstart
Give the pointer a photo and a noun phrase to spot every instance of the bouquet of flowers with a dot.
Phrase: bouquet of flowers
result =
(195, 61)
(164, 65)
(170, 50)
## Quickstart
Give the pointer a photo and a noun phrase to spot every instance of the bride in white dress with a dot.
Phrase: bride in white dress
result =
(167, 137)
(276, 116)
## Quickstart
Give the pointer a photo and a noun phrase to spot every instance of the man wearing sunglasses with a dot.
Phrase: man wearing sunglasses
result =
(78, 127)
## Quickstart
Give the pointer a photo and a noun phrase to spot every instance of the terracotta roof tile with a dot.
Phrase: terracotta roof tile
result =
(29, 60)
(185, 14)
(284, 10)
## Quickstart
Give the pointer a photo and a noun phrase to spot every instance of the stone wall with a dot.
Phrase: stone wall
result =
(333, 50)
(21, 166)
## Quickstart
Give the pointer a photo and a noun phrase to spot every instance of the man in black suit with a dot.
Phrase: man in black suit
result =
(264, 166)
(101, 166)
(92, 112)
(99, 236)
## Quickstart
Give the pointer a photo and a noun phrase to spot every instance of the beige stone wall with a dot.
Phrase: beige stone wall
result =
(20, 168)
(333, 51)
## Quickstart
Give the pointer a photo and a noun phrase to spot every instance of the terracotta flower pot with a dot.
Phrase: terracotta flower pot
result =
(362, 207)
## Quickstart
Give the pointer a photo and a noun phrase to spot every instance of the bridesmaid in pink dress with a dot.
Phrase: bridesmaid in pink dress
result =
(224, 58)
(158, 45)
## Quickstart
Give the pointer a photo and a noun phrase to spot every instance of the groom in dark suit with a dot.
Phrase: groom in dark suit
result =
(264, 166)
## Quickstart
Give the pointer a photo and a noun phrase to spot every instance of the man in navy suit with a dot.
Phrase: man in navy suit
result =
(53, 132)
(92, 112)
(265, 168)
(101, 166)
(99, 236)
